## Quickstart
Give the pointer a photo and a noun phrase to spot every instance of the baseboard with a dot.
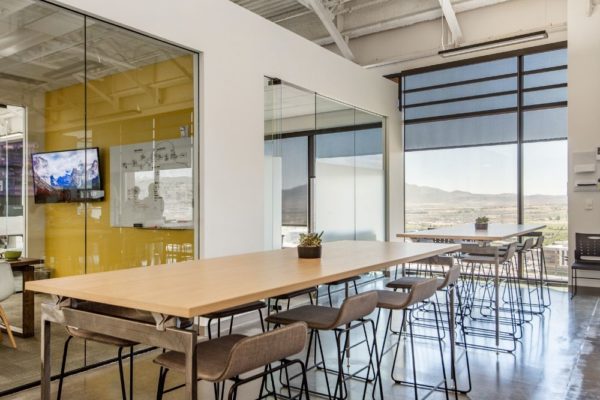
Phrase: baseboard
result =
(586, 290)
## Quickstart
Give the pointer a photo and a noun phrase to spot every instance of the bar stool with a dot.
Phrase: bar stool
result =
(407, 282)
(511, 313)
(538, 250)
(346, 282)
(228, 357)
(104, 339)
(121, 344)
(351, 315)
(289, 296)
(405, 302)
(233, 312)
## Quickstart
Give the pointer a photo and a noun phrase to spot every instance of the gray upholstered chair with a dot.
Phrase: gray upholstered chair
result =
(352, 314)
(228, 357)
(7, 289)
(121, 344)
(231, 313)
(405, 302)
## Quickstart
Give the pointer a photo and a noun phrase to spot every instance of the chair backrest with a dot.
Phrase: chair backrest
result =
(587, 245)
(451, 276)
(263, 349)
(539, 243)
(7, 281)
(510, 252)
(528, 244)
(444, 261)
(422, 291)
(356, 307)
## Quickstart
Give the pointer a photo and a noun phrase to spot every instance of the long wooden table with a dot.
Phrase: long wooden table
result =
(27, 267)
(468, 233)
(193, 288)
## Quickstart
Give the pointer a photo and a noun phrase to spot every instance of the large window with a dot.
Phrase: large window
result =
(489, 138)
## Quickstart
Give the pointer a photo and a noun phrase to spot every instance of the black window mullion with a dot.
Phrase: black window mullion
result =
(465, 98)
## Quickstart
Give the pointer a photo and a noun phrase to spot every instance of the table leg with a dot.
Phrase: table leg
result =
(191, 383)
(347, 294)
(46, 360)
(28, 311)
(452, 330)
(497, 299)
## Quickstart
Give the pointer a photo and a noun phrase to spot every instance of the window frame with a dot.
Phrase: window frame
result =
(520, 109)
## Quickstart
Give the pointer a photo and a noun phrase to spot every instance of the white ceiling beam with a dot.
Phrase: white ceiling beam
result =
(327, 19)
(451, 20)
(408, 19)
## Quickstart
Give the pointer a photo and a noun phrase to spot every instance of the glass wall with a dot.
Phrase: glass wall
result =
(489, 138)
(97, 145)
(324, 167)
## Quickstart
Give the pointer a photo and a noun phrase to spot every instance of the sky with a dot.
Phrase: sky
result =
(491, 169)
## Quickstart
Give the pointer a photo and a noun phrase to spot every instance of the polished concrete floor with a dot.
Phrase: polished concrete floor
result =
(558, 358)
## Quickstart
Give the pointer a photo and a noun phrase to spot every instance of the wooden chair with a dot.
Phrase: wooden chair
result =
(7, 289)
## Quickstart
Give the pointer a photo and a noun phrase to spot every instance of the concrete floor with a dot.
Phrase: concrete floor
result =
(557, 359)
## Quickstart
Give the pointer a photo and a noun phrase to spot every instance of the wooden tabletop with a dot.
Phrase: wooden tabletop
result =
(199, 287)
(468, 232)
(24, 262)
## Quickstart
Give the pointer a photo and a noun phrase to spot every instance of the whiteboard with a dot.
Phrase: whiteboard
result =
(151, 184)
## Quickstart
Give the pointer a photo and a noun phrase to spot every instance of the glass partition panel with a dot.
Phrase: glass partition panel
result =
(324, 168)
(335, 186)
(140, 113)
(96, 162)
(42, 116)
(349, 173)
(289, 122)
(370, 177)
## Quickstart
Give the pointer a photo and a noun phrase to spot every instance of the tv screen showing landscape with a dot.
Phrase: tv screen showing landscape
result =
(66, 176)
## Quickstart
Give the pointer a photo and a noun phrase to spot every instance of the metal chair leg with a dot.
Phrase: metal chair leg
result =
(120, 359)
(162, 376)
(62, 367)
(131, 373)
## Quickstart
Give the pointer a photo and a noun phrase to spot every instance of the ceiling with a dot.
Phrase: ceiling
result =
(339, 21)
(43, 47)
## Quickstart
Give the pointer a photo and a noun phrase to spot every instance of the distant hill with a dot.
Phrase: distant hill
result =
(295, 200)
(416, 194)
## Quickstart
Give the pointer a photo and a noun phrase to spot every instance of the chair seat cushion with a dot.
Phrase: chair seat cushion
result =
(211, 357)
(408, 282)
(316, 317)
(228, 312)
(586, 265)
(297, 293)
(345, 280)
(99, 337)
(391, 300)
(405, 282)
(480, 259)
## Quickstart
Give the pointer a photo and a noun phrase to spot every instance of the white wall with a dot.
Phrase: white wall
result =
(584, 112)
(239, 48)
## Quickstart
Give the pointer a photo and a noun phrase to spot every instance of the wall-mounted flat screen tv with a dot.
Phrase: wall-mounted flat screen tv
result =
(67, 176)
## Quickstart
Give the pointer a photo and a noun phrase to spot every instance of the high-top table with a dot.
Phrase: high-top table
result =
(194, 288)
(468, 233)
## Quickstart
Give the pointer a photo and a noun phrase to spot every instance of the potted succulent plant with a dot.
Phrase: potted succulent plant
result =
(309, 245)
(481, 223)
